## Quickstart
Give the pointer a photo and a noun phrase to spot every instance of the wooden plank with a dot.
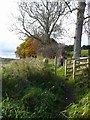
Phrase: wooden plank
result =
(79, 73)
(80, 70)
(74, 69)
(81, 58)
(88, 62)
(85, 64)
(69, 67)
(65, 67)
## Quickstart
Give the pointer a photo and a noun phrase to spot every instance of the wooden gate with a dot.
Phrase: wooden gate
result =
(74, 67)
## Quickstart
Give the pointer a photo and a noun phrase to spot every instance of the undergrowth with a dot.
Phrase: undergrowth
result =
(32, 90)
(80, 109)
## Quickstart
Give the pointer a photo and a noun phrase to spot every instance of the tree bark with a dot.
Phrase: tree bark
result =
(89, 27)
(78, 31)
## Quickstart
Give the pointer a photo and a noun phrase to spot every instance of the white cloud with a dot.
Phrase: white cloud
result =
(8, 40)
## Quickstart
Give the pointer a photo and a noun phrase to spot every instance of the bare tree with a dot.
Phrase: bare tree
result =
(87, 24)
(79, 26)
(41, 20)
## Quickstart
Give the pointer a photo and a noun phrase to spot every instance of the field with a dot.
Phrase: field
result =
(84, 53)
(32, 90)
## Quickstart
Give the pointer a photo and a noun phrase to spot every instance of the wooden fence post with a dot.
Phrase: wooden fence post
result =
(74, 68)
(65, 67)
(87, 62)
(56, 65)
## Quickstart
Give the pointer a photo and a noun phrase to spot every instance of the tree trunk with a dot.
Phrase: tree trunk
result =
(89, 27)
(78, 32)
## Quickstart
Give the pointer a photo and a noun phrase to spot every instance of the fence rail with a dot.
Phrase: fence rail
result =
(74, 67)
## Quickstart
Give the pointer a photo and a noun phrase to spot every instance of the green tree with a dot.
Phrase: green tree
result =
(20, 51)
(28, 48)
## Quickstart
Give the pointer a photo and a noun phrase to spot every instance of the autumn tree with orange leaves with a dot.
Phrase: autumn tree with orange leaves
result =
(28, 48)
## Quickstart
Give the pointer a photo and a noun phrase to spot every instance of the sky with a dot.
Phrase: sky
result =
(9, 40)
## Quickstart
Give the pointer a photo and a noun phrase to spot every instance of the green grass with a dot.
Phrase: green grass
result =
(61, 72)
(84, 53)
(80, 109)
(35, 87)
(31, 88)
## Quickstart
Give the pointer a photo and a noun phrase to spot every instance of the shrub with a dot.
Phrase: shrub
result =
(36, 88)
(13, 109)
(17, 76)
(20, 75)
(13, 84)
(42, 103)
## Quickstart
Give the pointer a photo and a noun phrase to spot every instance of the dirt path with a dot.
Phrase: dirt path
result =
(69, 97)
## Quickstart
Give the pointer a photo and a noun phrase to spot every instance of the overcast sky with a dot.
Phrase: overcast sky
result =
(8, 40)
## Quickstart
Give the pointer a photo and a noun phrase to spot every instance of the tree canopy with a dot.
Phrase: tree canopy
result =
(28, 48)
(33, 47)
(41, 20)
